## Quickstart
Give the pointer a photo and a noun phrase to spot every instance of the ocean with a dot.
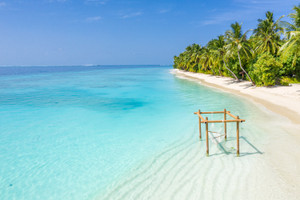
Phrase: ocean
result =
(71, 132)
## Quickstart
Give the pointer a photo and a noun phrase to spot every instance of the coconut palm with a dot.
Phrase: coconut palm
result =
(296, 16)
(195, 57)
(220, 52)
(268, 34)
(236, 49)
(237, 44)
(206, 60)
(213, 52)
(292, 46)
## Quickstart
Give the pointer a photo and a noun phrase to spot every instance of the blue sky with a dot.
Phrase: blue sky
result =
(70, 32)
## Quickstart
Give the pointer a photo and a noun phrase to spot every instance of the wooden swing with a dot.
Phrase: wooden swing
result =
(206, 121)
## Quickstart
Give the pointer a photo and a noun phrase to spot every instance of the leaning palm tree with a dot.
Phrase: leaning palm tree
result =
(292, 46)
(221, 53)
(237, 44)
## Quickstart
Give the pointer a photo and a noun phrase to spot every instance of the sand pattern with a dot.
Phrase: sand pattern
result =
(182, 171)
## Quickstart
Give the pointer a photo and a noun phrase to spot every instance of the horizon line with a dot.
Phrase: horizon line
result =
(85, 65)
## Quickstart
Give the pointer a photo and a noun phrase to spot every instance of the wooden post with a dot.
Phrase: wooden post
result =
(225, 127)
(207, 142)
(238, 137)
(199, 126)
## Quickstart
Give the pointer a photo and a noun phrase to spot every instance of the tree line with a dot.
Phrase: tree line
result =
(271, 55)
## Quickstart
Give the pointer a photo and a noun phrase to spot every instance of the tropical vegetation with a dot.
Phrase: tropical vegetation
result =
(269, 56)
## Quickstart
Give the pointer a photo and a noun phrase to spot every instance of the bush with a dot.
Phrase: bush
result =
(288, 69)
(266, 70)
(286, 80)
(233, 64)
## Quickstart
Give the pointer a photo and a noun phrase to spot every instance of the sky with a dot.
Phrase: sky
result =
(119, 32)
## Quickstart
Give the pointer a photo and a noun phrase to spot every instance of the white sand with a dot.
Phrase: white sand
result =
(182, 171)
(271, 170)
(287, 97)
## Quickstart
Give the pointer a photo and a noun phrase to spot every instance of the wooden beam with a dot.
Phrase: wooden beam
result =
(214, 112)
(225, 127)
(231, 115)
(222, 121)
(238, 137)
(199, 126)
(199, 115)
(207, 142)
(206, 121)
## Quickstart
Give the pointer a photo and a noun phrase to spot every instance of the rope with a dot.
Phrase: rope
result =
(216, 132)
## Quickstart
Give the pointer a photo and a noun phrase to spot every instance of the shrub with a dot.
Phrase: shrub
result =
(266, 70)
(288, 68)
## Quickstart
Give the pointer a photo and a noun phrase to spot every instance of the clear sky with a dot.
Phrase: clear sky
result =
(70, 32)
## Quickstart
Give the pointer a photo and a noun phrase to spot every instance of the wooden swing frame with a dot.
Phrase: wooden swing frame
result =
(206, 121)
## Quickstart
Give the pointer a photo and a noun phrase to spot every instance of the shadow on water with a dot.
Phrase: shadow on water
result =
(227, 151)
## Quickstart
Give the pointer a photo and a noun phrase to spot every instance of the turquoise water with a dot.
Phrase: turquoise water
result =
(69, 132)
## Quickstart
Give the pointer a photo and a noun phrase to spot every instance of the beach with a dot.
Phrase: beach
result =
(102, 100)
(268, 167)
(283, 152)
(284, 100)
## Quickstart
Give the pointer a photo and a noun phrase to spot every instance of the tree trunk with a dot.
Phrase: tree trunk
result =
(244, 69)
(236, 78)
(212, 71)
(220, 71)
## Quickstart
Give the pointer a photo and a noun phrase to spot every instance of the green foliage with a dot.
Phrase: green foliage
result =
(268, 34)
(270, 56)
(290, 69)
(266, 70)
(234, 66)
(296, 16)
(286, 80)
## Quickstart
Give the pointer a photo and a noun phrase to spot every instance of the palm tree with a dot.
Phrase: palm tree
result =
(296, 16)
(189, 59)
(237, 44)
(214, 54)
(206, 60)
(221, 53)
(268, 34)
(292, 46)
(195, 56)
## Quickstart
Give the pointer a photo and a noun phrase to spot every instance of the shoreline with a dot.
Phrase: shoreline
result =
(181, 170)
(283, 100)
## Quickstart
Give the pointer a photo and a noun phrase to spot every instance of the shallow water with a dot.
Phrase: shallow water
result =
(71, 132)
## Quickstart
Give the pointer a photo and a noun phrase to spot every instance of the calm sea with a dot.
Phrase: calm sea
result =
(70, 132)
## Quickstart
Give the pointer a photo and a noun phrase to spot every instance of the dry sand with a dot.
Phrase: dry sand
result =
(284, 100)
